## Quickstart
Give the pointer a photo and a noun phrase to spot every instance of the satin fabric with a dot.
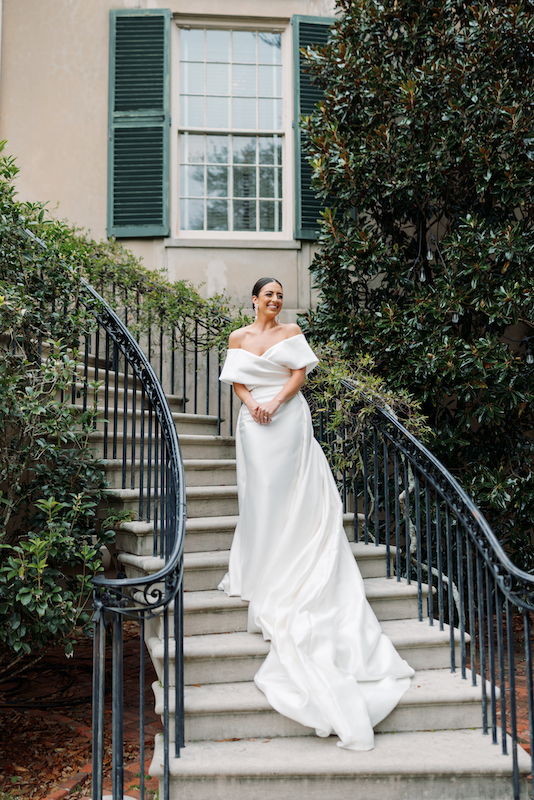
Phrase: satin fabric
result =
(330, 667)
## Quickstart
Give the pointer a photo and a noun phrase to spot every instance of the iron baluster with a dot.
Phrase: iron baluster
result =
(502, 667)
(419, 573)
(386, 506)
(511, 688)
(397, 479)
(461, 609)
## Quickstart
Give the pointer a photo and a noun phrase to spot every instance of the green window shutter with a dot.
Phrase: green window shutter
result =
(306, 31)
(138, 147)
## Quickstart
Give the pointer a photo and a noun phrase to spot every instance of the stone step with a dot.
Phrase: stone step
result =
(205, 501)
(214, 612)
(436, 700)
(207, 447)
(202, 534)
(234, 657)
(445, 765)
(175, 401)
(193, 446)
(204, 571)
(216, 533)
(185, 423)
(198, 472)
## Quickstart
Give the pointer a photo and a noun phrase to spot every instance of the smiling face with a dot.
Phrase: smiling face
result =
(270, 299)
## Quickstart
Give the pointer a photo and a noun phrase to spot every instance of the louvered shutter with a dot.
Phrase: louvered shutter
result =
(306, 31)
(138, 150)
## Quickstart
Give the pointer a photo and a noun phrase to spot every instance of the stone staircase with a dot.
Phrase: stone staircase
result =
(237, 746)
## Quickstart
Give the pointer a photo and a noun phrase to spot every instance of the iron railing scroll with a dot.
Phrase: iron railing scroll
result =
(135, 430)
(436, 537)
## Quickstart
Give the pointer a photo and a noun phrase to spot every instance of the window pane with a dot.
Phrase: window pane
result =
(192, 78)
(268, 147)
(269, 48)
(217, 149)
(192, 111)
(191, 45)
(217, 112)
(244, 149)
(244, 181)
(217, 181)
(244, 215)
(244, 112)
(244, 43)
(192, 181)
(270, 81)
(218, 46)
(192, 215)
(217, 215)
(217, 79)
(270, 114)
(244, 80)
(267, 182)
(270, 215)
(191, 148)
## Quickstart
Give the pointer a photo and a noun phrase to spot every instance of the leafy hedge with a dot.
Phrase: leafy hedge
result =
(50, 483)
(423, 151)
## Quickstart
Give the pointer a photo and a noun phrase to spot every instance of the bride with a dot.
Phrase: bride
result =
(330, 667)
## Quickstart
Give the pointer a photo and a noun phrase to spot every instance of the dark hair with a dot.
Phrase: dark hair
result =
(258, 286)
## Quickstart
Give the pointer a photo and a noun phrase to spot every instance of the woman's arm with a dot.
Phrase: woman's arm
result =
(262, 413)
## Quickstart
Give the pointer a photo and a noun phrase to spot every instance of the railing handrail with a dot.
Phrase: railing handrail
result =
(149, 380)
(470, 508)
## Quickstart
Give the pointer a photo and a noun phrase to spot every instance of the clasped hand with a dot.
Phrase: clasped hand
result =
(262, 414)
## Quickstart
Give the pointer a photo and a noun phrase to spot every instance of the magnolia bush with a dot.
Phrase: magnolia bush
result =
(423, 152)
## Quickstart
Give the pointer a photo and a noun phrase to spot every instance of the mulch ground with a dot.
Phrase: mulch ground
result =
(45, 726)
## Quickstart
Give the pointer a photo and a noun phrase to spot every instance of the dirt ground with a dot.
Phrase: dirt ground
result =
(45, 725)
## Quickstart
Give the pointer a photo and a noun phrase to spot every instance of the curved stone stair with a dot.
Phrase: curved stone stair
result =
(237, 746)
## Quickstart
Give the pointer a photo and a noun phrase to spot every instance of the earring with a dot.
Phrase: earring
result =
(255, 309)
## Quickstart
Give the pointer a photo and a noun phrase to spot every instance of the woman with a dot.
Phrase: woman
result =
(330, 667)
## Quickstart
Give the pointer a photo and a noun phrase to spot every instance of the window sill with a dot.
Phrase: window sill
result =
(237, 244)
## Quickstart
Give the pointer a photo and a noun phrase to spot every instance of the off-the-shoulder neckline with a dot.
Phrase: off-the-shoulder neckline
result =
(244, 350)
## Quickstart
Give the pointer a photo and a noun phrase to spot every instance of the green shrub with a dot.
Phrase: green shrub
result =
(50, 484)
(423, 151)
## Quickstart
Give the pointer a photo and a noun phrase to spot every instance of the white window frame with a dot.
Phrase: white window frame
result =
(271, 25)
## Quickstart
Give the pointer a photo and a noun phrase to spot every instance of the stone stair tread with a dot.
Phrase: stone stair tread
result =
(428, 688)
(213, 559)
(212, 600)
(415, 632)
(403, 633)
(215, 645)
(193, 524)
(223, 523)
(208, 463)
(204, 464)
(200, 438)
(454, 753)
(374, 587)
(195, 492)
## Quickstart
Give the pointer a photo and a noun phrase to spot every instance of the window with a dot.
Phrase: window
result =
(231, 150)
(231, 135)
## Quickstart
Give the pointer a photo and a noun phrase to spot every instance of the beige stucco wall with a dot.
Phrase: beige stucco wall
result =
(53, 112)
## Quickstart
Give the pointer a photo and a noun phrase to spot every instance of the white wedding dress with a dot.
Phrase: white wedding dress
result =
(330, 667)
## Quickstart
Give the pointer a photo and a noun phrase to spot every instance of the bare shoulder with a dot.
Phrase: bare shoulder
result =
(236, 338)
(291, 329)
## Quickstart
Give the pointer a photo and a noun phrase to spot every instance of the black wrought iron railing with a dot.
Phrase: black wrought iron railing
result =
(184, 349)
(401, 496)
(134, 428)
(436, 537)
